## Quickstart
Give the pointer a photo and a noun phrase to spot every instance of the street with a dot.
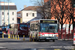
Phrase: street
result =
(15, 44)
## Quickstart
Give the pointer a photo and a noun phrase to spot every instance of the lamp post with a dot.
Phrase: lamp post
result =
(8, 12)
(8, 20)
(4, 13)
(0, 13)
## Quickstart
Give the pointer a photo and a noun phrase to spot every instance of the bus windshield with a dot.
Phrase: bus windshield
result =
(46, 27)
(23, 25)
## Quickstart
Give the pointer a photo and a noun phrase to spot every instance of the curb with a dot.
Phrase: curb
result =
(66, 39)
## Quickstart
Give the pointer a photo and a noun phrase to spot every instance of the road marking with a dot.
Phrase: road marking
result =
(57, 49)
(2, 47)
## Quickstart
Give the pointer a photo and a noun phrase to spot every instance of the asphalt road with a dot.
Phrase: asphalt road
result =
(15, 44)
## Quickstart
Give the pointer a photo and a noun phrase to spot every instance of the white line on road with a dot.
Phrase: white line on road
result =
(2, 47)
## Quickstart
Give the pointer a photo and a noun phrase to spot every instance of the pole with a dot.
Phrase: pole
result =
(2, 35)
(8, 12)
(13, 36)
(0, 12)
(23, 37)
(4, 13)
(18, 37)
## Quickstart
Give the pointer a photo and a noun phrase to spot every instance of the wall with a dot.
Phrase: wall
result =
(10, 16)
(29, 17)
(6, 3)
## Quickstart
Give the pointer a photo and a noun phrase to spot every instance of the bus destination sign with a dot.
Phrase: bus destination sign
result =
(48, 21)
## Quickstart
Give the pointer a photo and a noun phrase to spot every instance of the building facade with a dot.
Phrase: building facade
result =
(8, 13)
(29, 13)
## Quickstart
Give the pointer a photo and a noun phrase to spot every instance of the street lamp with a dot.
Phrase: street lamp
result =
(8, 12)
(4, 13)
(0, 12)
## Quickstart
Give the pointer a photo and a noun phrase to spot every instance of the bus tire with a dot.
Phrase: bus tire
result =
(53, 40)
(47, 40)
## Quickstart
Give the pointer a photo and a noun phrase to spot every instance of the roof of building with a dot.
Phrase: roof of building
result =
(18, 12)
(31, 8)
(46, 1)
(10, 7)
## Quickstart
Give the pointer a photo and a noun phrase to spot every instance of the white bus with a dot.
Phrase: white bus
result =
(44, 29)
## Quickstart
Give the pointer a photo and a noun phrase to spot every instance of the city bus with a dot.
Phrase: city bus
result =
(44, 29)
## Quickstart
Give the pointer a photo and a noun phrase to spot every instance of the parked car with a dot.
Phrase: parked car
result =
(1, 32)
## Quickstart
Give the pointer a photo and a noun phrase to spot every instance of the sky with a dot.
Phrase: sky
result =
(20, 3)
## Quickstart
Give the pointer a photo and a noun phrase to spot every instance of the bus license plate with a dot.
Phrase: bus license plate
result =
(48, 38)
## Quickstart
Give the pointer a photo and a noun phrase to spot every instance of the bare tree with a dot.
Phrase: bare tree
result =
(61, 10)
(43, 8)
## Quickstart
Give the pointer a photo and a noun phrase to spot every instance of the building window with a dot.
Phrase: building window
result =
(2, 13)
(26, 14)
(12, 13)
(73, 3)
(32, 14)
(2, 18)
(7, 13)
(12, 18)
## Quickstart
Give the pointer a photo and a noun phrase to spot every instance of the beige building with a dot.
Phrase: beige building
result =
(28, 14)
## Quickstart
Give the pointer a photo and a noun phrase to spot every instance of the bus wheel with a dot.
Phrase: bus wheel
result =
(47, 40)
(53, 40)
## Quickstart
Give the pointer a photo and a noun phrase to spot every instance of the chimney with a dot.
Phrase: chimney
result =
(46, 1)
(24, 6)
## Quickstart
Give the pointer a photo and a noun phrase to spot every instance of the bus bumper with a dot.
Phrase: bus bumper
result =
(48, 38)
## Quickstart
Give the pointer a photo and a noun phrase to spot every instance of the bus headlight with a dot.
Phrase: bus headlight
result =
(40, 34)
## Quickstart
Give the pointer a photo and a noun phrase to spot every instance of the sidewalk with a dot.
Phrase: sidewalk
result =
(66, 39)
(3, 48)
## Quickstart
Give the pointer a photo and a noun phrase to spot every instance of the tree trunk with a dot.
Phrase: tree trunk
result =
(69, 31)
(61, 31)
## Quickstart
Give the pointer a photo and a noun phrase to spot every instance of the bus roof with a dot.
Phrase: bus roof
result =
(38, 20)
(43, 19)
